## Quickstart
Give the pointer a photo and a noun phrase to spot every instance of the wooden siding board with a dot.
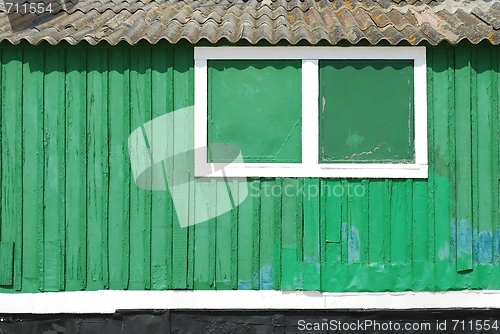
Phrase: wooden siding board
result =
(495, 96)
(6, 263)
(257, 221)
(225, 244)
(399, 222)
(119, 171)
(291, 268)
(431, 183)
(76, 169)
(486, 188)
(140, 199)
(97, 169)
(311, 234)
(33, 151)
(463, 158)
(162, 208)
(439, 90)
(267, 235)
(11, 161)
(54, 170)
(246, 242)
(205, 241)
(182, 88)
(377, 233)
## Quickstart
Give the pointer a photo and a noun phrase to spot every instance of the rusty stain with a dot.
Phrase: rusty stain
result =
(490, 38)
(349, 4)
(308, 16)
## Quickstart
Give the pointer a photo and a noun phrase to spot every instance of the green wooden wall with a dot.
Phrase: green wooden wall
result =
(71, 217)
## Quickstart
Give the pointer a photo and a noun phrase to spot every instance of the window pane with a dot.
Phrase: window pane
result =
(366, 111)
(256, 105)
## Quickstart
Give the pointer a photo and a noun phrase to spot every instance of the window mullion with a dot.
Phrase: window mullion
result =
(310, 121)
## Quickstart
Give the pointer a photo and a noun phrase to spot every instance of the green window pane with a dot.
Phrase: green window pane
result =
(366, 111)
(256, 105)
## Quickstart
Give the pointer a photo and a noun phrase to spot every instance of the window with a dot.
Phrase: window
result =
(311, 112)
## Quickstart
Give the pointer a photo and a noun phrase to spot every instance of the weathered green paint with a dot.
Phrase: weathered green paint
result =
(256, 105)
(366, 111)
(73, 218)
(6, 262)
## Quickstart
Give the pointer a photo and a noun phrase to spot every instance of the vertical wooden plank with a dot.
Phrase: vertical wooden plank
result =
(495, 96)
(97, 168)
(6, 263)
(387, 219)
(11, 161)
(224, 244)
(345, 219)
(183, 97)
(357, 232)
(311, 220)
(267, 236)
(331, 206)
(322, 220)
(431, 180)
(119, 168)
(422, 275)
(376, 221)
(291, 264)
(277, 230)
(33, 137)
(311, 234)
(2, 94)
(162, 207)
(453, 155)
(140, 199)
(205, 241)
(333, 192)
(486, 191)
(246, 241)
(463, 159)
(257, 221)
(409, 248)
(420, 232)
(399, 222)
(54, 169)
(76, 171)
(190, 231)
(440, 92)
(474, 153)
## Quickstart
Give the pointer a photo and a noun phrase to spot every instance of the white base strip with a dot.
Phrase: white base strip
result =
(108, 301)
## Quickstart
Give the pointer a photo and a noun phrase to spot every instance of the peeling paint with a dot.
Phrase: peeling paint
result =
(266, 275)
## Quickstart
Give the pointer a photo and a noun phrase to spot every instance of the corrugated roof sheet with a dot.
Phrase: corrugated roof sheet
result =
(112, 21)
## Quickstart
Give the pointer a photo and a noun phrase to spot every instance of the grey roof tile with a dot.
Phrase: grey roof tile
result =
(313, 21)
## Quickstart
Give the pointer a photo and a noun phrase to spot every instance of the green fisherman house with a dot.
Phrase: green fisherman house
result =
(211, 153)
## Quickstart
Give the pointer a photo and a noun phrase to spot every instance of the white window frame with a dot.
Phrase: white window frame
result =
(310, 167)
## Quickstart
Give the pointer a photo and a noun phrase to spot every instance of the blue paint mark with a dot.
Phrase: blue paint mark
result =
(496, 245)
(453, 240)
(353, 246)
(464, 237)
(484, 247)
(266, 275)
(244, 285)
